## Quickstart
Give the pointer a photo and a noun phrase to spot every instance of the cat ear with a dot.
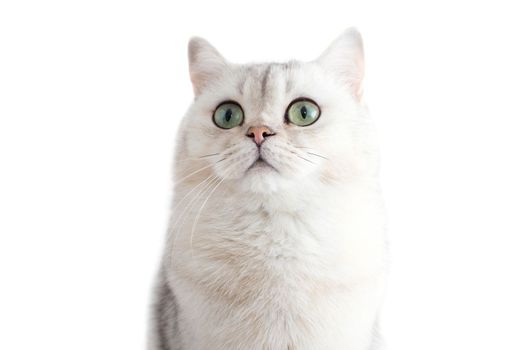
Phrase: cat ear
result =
(345, 57)
(205, 63)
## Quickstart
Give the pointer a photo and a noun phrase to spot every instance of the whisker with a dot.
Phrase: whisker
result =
(311, 153)
(195, 172)
(200, 211)
(201, 157)
(178, 225)
(187, 160)
(317, 155)
(308, 160)
(210, 155)
(297, 154)
(191, 191)
(203, 189)
(296, 146)
(201, 193)
(194, 199)
(217, 184)
(173, 226)
(211, 182)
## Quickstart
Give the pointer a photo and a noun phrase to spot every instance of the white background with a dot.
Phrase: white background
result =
(91, 93)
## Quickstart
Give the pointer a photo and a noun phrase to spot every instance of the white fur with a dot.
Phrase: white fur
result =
(286, 259)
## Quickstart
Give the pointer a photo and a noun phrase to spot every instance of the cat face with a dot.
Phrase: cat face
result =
(269, 126)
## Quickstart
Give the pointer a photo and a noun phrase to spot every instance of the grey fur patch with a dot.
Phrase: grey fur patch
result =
(240, 86)
(264, 80)
(377, 340)
(288, 67)
(165, 328)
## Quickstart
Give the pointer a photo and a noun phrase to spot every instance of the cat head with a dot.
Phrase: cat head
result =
(275, 125)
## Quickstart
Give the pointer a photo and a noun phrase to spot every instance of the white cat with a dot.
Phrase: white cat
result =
(276, 239)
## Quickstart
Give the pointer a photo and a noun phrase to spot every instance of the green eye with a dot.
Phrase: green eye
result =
(303, 112)
(228, 115)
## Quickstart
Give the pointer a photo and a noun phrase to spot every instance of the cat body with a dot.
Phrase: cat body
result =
(276, 239)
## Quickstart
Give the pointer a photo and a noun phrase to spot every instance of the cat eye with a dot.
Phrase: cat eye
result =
(228, 115)
(303, 112)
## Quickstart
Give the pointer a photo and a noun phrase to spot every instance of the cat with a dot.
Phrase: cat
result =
(276, 239)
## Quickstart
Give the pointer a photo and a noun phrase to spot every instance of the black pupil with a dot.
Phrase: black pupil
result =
(228, 115)
(304, 112)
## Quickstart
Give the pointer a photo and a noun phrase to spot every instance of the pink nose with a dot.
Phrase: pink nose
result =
(259, 133)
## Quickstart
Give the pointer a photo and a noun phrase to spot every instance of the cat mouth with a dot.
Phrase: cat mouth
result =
(261, 163)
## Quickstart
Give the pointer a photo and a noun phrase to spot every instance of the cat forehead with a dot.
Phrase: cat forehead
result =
(266, 81)
(263, 76)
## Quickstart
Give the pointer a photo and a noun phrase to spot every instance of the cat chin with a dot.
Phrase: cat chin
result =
(265, 179)
(263, 183)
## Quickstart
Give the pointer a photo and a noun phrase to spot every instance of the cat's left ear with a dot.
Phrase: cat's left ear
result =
(345, 57)
(205, 63)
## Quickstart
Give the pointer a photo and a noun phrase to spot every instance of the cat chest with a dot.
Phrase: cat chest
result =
(282, 261)
(265, 277)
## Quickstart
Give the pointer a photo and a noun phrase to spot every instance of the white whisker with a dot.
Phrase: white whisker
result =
(308, 160)
(200, 210)
(317, 155)
(209, 155)
(193, 200)
(231, 168)
(193, 173)
(174, 228)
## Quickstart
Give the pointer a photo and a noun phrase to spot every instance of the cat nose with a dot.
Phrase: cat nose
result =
(259, 133)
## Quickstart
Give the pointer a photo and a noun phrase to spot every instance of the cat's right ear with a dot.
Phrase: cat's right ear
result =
(345, 58)
(205, 63)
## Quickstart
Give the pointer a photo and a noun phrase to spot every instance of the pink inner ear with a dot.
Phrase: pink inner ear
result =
(345, 57)
(349, 69)
(198, 80)
(354, 70)
(205, 63)
(357, 86)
